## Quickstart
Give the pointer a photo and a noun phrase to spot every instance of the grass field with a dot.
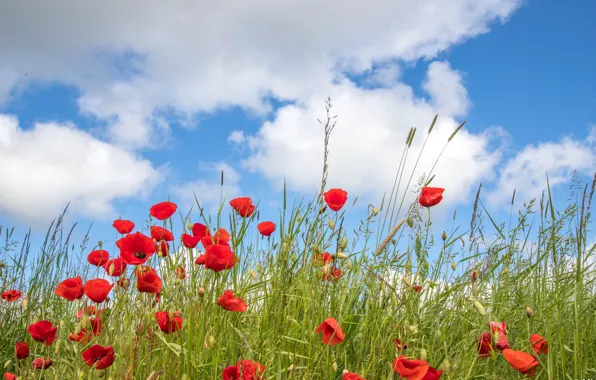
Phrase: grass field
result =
(373, 293)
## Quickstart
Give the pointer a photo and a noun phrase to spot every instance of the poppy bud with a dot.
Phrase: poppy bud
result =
(211, 340)
(479, 307)
(184, 377)
(106, 312)
(393, 241)
(331, 223)
(446, 365)
(474, 275)
(438, 333)
(201, 292)
(349, 264)
(252, 273)
(345, 371)
(322, 210)
(444, 236)
(453, 265)
(259, 268)
(298, 217)
(423, 355)
(25, 303)
(425, 265)
(99, 243)
(343, 243)
(291, 368)
(334, 366)
(529, 312)
(410, 222)
(375, 211)
(340, 255)
(7, 364)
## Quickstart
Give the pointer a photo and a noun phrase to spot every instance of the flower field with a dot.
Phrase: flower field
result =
(308, 298)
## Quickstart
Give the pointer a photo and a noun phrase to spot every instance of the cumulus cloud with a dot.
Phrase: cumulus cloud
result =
(198, 56)
(368, 140)
(45, 167)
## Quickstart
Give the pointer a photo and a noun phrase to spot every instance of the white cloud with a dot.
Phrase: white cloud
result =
(46, 167)
(197, 56)
(208, 190)
(448, 95)
(368, 141)
(526, 171)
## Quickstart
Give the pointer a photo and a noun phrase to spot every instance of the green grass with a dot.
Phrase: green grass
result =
(537, 259)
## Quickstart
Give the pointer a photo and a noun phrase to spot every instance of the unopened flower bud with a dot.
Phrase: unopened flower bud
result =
(444, 236)
(322, 210)
(201, 292)
(298, 217)
(446, 365)
(340, 255)
(349, 264)
(334, 366)
(529, 312)
(410, 222)
(99, 243)
(25, 304)
(474, 275)
(453, 265)
(375, 211)
(7, 364)
(423, 355)
(252, 273)
(479, 307)
(331, 223)
(345, 371)
(211, 340)
(343, 243)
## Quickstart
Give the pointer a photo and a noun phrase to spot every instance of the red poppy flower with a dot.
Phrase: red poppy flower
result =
(430, 196)
(180, 273)
(123, 226)
(90, 311)
(9, 376)
(351, 376)
(41, 363)
(331, 331)
(521, 361)
(71, 289)
(43, 331)
(244, 370)
(11, 295)
(410, 369)
(485, 346)
(199, 230)
(169, 323)
(148, 281)
(115, 267)
(539, 344)
(335, 275)
(159, 233)
(219, 257)
(190, 241)
(21, 350)
(501, 329)
(231, 303)
(220, 237)
(163, 210)
(99, 356)
(399, 345)
(96, 325)
(243, 206)
(266, 228)
(82, 337)
(98, 257)
(323, 258)
(432, 374)
(164, 249)
(336, 198)
(200, 260)
(97, 290)
(136, 248)
(417, 288)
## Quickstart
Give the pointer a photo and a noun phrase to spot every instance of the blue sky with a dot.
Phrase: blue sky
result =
(159, 105)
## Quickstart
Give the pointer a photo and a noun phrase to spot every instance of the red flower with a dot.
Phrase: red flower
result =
(231, 303)
(180, 273)
(323, 258)
(11, 295)
(221, 237)
(9, 376)
(399, 345)
(123, 226)
(163, 210)
(335, 275)
(539, 344)
(266, 228)
(336, 198)
(521, 361)
(485, 345)
(123, 283)
(432, 374)
(199, 230)
(99, 356)
(98, 257)
(71, 289)
(136, 248)
(410, 369)
(43, 331)
(148, 281)
(21, 350)
(351, 376)
(417, 288)
(430, 196)
(82, 337)
(164, 249)
(96, 325)
(115, 267)
(244, 370)
(169, 323)
(501, 329)
(243, 206)
(200, 260)
(219, 257)
(190, 241)
(97, 290)
(159, 233)
(90, 311)
(332, 333)
(41, 363)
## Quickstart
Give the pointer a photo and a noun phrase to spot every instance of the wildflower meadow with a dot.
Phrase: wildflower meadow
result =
(306, 296)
